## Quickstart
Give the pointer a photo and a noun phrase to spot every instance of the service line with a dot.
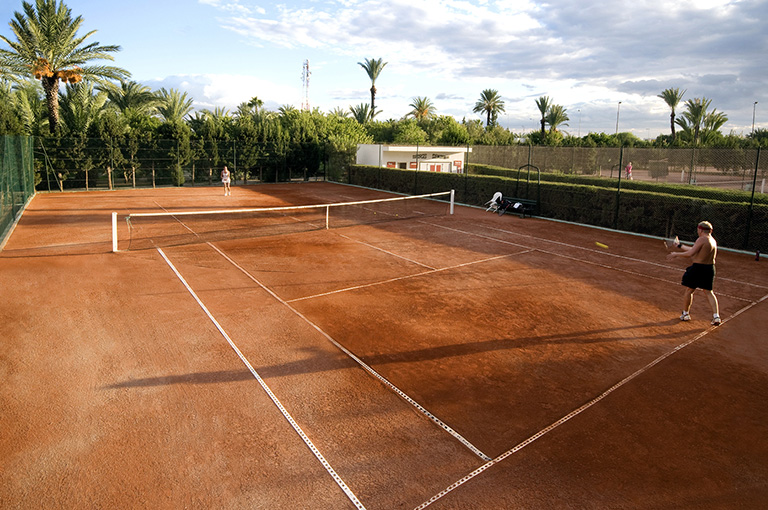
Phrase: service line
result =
(359, 361)
(267, 389)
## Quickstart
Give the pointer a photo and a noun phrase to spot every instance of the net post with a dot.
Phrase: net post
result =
(453, 193)
(114, 232)
(327, 217)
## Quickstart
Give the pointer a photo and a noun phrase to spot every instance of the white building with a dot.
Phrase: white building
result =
(413, 157)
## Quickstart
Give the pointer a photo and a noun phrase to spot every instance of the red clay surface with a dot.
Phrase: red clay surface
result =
(454, 362)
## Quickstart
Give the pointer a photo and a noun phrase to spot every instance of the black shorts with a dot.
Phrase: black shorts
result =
(699, 276)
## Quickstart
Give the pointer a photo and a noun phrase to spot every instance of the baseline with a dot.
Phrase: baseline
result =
(597, 264)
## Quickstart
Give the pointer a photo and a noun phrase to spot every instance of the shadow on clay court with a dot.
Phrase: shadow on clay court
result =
(320, 361)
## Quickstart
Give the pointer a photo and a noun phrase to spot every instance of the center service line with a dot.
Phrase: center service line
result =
(266, 388)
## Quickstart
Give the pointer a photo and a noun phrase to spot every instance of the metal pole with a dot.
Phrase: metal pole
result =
(754, 106)
(618, 109)
(618, 191)
(752, 201)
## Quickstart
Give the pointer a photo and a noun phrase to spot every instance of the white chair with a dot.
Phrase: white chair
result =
(493, 204)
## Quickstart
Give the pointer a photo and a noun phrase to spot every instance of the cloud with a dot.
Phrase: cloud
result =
(227, 90)
(588, 54)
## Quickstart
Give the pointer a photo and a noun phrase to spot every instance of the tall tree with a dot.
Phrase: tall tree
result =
(80, 107)
(361, 113)
(672, 97)
(47, 47)
(174, 105)
(132, 98)
(713, 121)
(373, 67)
(423, 109)
(543, 104)
(28, 99)
(491, 103)
(556, 115)
(694, 116)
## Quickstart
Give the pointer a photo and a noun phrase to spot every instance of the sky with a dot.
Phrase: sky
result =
(605, 62)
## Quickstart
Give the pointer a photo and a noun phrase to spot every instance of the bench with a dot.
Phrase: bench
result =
(526, 207)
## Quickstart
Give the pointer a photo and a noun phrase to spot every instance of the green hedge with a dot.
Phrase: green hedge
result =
(721, 195)
(644, 208)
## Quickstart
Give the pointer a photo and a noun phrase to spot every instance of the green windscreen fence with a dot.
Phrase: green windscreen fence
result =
(17, 180)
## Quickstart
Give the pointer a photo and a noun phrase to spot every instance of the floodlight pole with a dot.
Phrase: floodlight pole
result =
(618, 109)
(754, 106)
(579, 124)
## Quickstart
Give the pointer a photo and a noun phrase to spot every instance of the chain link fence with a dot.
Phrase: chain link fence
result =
(17, 180)
(88, 163)
(724, 186)
(667, 192)
(737, 169)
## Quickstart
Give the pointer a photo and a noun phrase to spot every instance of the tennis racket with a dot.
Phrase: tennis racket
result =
(671, 243)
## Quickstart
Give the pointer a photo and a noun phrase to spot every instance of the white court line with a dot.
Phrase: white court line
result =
(406, 277)
(267, 389)
(605, 266)
(386, 251)
(644, 261)
(579, 410)
(360, 362)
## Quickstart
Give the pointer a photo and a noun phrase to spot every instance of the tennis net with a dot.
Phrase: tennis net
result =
(173, 228)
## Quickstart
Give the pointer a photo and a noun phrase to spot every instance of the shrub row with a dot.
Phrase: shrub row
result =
(661, 210)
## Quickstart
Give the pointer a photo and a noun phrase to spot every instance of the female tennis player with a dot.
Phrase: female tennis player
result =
(225, 179)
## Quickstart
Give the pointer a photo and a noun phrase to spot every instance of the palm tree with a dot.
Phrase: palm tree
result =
(556, 115)
(132, 98)
(490, 102)
(713, 121)
(672, 97)
(423, 108)
(693, 117)
(80, 107)
(373, 67)
(28, 99)
(48, 48)
(361, 113)
(255, 103)
(174, 105)
(543, 104)
(339, 112)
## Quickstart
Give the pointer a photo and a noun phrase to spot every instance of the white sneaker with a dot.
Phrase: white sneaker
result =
(685, 317)
(716, 320)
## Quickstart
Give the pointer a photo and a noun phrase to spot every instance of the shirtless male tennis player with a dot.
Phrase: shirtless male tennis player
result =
(701, 274)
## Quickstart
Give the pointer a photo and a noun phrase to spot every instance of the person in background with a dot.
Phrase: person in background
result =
(628, 168)
(225, 178)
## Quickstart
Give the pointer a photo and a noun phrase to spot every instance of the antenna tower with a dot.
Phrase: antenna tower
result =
(305, 86)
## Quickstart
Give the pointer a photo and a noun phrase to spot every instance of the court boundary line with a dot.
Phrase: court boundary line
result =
(749, 284)
(339, 481)
(580, 409)
(605, 266)
(360, 362)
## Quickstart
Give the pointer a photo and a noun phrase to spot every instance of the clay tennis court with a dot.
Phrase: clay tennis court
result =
(450, 362)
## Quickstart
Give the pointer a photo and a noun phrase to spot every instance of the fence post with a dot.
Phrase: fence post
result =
(752, 200)
(618, 191)
(693, 165)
